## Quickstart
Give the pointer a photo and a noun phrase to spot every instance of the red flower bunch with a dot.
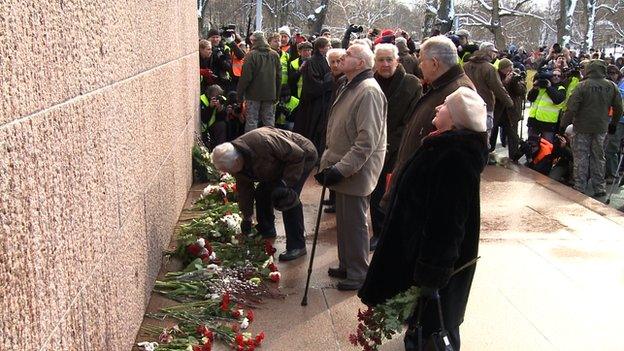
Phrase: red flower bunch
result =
(250, 315)
(205, 347)
(236, 313)
(243, 343)
(225, 302)
(368, 335)
(196, 250)
(268, 248)
(203, 331)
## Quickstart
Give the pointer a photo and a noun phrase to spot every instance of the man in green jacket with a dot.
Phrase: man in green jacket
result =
(259, 84)
(588, 111)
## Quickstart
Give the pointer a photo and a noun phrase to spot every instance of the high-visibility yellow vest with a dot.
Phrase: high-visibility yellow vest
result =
(573, 83)
(295, 65)
(292, 103)
(213, 118)
(496, 63)
(284, 62)
(543, 109)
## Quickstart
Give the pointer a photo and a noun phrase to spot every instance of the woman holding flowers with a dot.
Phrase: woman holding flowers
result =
(432, 226)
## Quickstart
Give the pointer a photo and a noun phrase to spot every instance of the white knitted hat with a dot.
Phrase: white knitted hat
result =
(467, 109)
(284, 30)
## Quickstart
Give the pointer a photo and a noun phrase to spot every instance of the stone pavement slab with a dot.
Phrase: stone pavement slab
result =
(550, 277)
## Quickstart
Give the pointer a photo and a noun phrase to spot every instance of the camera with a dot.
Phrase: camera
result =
(356, 29)
(542, 83)
(556, 48)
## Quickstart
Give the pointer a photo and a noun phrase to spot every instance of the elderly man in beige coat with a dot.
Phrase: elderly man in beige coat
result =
(353, 160)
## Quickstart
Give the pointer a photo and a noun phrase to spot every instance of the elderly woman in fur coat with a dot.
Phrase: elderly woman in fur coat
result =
(432, 227)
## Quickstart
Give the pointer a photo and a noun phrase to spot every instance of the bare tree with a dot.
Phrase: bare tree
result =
(564, 22)
(492, 16)
(316, 20)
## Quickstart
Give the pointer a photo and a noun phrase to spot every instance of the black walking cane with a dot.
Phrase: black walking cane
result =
(304, 301)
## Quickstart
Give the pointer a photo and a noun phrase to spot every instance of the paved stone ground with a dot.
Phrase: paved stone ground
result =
(551, 276)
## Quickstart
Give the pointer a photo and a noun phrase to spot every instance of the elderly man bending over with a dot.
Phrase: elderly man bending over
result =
(280, 161)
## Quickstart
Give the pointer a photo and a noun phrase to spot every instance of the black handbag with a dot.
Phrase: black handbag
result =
(413, 340)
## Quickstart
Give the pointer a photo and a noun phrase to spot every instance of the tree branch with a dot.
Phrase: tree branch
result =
(475, 18)
(485, 5)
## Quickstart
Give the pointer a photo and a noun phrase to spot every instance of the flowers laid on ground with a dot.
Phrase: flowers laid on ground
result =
(226, 274)
(380, 323)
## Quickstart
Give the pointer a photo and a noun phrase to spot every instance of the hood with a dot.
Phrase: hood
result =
(472, 144)
(597, 69)
(261, 44)
(402, 47)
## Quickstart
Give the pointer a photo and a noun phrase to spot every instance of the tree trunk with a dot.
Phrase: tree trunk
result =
(446, 14)
(316, 20)
(590, 14)
(431, 14)
(258, 14)
(496, 27)
(564, 22)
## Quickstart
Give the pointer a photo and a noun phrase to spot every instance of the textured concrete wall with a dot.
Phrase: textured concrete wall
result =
(96, 126)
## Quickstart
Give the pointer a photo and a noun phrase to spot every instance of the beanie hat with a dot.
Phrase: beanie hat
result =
(324, 30)
(504, 63)
(284, 30)
(463, 33)
(305, 45)
(212, 32)
(467, 109)
(386, 32)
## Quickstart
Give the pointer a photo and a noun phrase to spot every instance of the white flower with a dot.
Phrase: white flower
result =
(233, 222)
(201, 242)
(148, 346)
(210, 189)
(213, 256)
(245, 323)
(214, 296)
(212, 268)
(234, 240)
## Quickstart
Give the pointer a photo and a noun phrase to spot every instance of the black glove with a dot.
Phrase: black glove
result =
(246, 227)
(612, 128)
(329, 176)
(284, 199)
(428, 292)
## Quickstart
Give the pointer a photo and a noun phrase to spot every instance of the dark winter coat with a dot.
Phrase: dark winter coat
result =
(312, 105)
(402, 94)
(420, 123)
(516, 88)
(588, 106)
(409, 61)
(269, 155)
(262, 74)
(432, 227)
(486, 80)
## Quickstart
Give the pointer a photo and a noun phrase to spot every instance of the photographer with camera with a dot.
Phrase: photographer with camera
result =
(546, 97)
(220, 61)
(507, 118)
(230, 46)
(351, 29)
(213, 116)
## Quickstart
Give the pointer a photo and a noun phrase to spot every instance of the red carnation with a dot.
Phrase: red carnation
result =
(236, 314)
(259, 338)
(225, 302)
(239, 339)
(201, 329)
(207, 346)
(235, 328)
(268, 248)
(233, 187)
(250, 316)
(194, 249)
(197, 348)
(272, 267)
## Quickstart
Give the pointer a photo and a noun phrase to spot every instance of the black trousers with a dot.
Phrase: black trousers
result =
(376, 211)
(218, 133)
(293, 218)
(511, 133)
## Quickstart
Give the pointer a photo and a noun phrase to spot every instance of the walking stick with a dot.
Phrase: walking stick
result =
(304, 301)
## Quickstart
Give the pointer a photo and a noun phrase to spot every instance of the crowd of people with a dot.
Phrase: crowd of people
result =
(401, 130)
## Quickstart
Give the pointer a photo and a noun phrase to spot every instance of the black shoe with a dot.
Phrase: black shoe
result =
(290, 255)
(349, 285)
(330, 209)
(374, 240)
(600, 194)
(337, 273)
